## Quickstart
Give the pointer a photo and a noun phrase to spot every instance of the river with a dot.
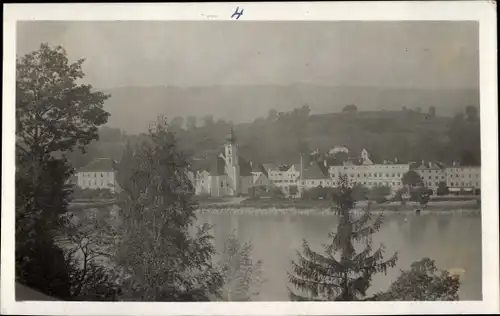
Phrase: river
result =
(452, 240)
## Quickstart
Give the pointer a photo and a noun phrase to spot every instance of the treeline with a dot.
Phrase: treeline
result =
(408, 135)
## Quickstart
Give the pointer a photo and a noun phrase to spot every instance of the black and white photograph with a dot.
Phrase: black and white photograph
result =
(230, 159)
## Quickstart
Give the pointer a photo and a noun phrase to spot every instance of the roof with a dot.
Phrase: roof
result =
(426, 166)
(258, 167)
(314, 172)
(245, 167)
(217, 166)
(100, 165)
(270, 166)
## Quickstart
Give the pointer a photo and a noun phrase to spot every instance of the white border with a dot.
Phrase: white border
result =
(482, 11)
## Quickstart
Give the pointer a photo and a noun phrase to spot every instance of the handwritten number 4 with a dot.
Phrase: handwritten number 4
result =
(236, 15)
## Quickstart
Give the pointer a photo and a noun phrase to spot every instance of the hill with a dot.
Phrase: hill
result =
(132, 108)
(280, 137)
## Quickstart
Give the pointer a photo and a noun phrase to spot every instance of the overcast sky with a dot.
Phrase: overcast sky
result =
(381, 54)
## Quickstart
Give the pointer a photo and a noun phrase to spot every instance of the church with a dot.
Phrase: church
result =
(229, 174)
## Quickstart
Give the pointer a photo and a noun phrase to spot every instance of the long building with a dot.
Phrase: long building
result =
(463, 179)
(365, 172)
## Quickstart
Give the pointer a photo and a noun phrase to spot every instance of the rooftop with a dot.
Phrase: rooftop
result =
(100, 165)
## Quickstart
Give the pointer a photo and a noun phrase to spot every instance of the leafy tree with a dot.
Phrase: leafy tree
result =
(423, 282)
(242, 277)
(432, 112)
(161, 256)
(378, 193)
(191, 123)
(293, 190)
(471, 112)
(208, 121)
(341, 273)
(177, 122)
(272, 115)
(442, 188)
(87, 240)
(54, 114)
(412, 179)
(350, 108)
(359, 192)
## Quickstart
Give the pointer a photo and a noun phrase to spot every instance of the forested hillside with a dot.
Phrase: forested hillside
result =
(407, 134)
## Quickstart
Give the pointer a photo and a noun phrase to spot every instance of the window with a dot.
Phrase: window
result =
(387, 175)
(221, 184)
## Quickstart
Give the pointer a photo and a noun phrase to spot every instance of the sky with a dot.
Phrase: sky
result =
(205, 53)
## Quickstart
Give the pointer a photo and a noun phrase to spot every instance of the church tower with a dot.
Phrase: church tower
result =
(232, 163)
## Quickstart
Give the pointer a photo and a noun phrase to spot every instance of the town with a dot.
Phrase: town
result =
(230, 174)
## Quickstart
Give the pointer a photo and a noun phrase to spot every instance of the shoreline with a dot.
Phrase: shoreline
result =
(328, 212)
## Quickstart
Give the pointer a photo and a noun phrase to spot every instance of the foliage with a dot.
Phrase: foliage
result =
(350, 108)
(242, 277)
(412, 179)
(360, 192)
(53, 112)
(423, 282)
(442, 189)
(87, 241)
(341, 273)
(79, 193)
(160, 255)
(379, 193)
(54, 115)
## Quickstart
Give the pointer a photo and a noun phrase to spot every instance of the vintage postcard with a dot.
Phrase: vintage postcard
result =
(333, 158)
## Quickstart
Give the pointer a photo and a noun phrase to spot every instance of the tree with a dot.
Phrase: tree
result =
(341, 273)
(471, 112)
(412, 179)
(87, 241)
(177, 122)
(359, 192)
(432, 112)
(350, 108)
(423, 282)
(208, 121)
(242, 277)
(191, 123)
(379, 193)
(442, 188)
(272, 115)
(54, 114)
(162, 258)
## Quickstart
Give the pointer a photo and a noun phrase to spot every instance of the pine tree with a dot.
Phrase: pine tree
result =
(161, 257)
(341, 273)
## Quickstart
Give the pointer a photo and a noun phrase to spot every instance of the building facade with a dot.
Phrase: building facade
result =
(229, 174)
(365, 172)
(99, 174)
(432, 174)
(463, 179)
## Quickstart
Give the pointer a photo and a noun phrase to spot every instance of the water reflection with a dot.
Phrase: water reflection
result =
(452, 241)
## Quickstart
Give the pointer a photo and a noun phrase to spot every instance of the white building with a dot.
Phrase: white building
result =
(283, 176)
(99, 174)
(369, 174)
(228, 175)
(463, 178)
(314, 176)
(432, 174)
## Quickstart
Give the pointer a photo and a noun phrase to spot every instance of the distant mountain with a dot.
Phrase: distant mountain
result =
(133, 108)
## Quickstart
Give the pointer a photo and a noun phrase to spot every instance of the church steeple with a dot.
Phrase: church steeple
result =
(230, 138)
(231, 149)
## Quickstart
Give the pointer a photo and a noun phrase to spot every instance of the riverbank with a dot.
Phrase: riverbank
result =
(324, 208)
